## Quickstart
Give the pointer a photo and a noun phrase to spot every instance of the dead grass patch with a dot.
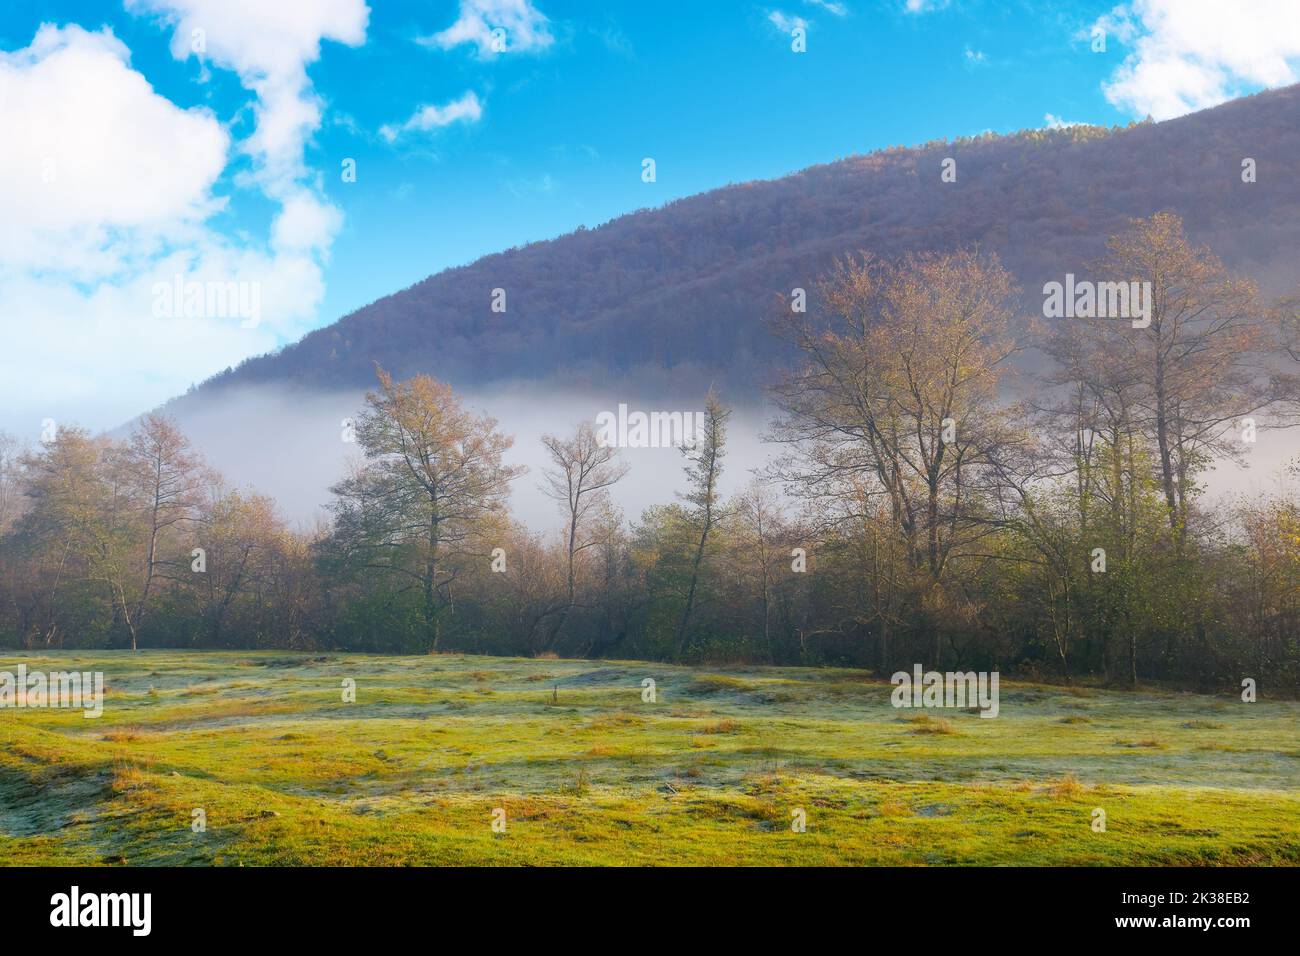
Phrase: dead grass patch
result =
(925, 724)
(1066, 786)
(724, 726)
(125, 735)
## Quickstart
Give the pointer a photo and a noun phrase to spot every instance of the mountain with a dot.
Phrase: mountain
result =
(681, 291)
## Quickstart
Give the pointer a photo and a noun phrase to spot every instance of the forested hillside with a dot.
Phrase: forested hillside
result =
(687, 286)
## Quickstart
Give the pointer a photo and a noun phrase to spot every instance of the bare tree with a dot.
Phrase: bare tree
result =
(162, 477)
(583, 470)
(896, 397)
(241, 537)
(1201, 360)
(61, 529)
(704, 466)
(433, 489)
(758, 529)
(11, 484)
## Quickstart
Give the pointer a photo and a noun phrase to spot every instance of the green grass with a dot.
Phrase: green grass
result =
(287, 773)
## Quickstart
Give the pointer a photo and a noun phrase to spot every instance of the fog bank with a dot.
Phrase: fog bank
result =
(288, 443)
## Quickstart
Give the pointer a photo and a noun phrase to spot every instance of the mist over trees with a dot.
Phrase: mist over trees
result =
(913, 512)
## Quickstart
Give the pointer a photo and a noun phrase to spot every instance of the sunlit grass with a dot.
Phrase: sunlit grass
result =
(587, 771)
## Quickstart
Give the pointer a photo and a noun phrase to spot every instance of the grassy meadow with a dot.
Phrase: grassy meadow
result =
(589, 773)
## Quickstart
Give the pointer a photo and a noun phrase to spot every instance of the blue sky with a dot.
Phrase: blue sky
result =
(224, 163)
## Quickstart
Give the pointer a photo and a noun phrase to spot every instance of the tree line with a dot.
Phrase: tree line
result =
(916, 510)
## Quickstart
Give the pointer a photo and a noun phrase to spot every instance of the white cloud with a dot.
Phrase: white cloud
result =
(99, 355)
(95, 165)
(106, 192)
(1051, 121)
(268, 45)
(1192, 54)
(467, 109)
(923, 6)
(786, 23)
(830, 6)
(975, 57)
(543, 185)
(523, 25)
(305, 224)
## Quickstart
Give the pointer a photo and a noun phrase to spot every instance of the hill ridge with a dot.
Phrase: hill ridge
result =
(674, 289)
